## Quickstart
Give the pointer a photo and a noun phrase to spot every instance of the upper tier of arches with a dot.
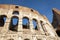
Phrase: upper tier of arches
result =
(11, 12)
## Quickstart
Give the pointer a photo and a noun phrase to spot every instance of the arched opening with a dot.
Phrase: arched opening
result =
(2, 20)
(14, 23)
(32, 10)
(39, 39)
(35, 24)
(16, 12)
(42, 25)
(16, 7)
(11, 39)
(25, 23)
(26, 39)
(58, 32)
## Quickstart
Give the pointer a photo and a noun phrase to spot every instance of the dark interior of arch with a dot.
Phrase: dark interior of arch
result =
(16, 12)
(16, 6)
(35, 24)
(39, 39)
(14, 23)
(11, 39)
(58, 32)
(2, 20)
(25, 23)
(26, 39)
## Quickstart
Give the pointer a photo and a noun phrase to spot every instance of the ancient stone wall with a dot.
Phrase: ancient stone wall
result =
(56, 20)
(44, 30)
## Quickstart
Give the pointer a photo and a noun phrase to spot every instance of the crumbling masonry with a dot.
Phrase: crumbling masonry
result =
(19, 31)
(56, 20)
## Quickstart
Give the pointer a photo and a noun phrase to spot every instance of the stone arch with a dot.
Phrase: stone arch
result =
(26, 39)
(16, 6)
(2, 20)
(16, 12)
(42, 25)
(25, 23)
(39, 39)
(35, 23)
(11, 39)
(14, 25)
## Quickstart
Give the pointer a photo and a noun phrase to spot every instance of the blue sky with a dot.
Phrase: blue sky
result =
(44, 7)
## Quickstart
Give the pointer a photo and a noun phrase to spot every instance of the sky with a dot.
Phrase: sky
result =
(44, 7)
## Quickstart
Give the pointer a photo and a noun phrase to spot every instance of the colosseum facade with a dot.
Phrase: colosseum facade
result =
(43, 30)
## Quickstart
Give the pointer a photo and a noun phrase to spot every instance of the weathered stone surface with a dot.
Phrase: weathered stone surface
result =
(45, 30)
(56, 20)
